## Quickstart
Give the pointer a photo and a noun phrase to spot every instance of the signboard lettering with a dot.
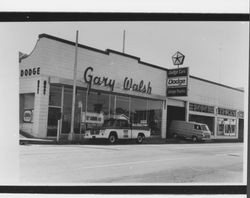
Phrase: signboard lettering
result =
(201, 108)
(128, 84)
(226, 112)
(181, 81)
(177, 91)
(177, 82)
(177, 72)
(141, 87)
(94, 118)
(96, 80)
(30, 72)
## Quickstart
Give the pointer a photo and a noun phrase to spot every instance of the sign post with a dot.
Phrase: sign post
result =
(71, 133)
(80, 106)
(58, 130)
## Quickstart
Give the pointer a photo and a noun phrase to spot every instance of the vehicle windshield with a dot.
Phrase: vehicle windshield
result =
(108, 123)
(204, 127)
(197, 127)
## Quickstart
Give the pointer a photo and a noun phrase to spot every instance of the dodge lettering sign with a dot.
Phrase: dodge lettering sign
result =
(177, 82)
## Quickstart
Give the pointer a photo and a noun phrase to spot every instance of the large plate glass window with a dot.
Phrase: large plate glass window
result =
(226, 127)
(155, 116)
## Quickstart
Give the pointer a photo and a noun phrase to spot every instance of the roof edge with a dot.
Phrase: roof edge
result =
(107, 51)
(222, 85)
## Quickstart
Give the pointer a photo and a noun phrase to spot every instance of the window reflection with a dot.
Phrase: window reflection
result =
(154, 116)
(138, 111)
(122, 105)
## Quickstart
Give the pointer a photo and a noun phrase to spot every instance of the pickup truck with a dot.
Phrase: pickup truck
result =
(114, 129)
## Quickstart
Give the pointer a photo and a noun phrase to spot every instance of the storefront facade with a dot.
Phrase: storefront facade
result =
(217, 105)
(110, 84)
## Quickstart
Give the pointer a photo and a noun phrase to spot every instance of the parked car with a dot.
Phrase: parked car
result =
(190, 130)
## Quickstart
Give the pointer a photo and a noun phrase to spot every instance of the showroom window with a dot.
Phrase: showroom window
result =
(122, 105)
(101, 106)
(226, 127)
(155, 116)
(138, 111)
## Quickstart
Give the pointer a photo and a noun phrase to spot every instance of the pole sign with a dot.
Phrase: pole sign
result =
(177, 82)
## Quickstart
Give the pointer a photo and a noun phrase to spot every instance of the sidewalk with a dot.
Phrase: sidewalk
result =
(25, 138)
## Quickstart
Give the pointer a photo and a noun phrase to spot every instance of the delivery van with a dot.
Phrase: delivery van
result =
(190, 130)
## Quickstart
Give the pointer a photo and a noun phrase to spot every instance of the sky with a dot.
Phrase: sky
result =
(216, 51)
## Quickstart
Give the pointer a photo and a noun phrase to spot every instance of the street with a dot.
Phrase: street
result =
(131, 163)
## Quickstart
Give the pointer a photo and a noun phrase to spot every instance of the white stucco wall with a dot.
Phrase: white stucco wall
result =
(57, 59)
(203, 92)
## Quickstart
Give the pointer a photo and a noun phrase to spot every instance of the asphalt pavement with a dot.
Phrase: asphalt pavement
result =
(219, 163)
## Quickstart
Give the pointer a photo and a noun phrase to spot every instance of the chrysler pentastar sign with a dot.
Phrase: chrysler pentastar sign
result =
(177, 82)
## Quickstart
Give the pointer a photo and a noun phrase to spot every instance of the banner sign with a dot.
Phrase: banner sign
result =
(201, 108)
(177, 82)
(94, 118)
(177, 72)
(226, 112)
(177, 91)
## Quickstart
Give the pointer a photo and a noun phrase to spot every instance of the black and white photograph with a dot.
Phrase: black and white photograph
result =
(132, 102)
(136, 102)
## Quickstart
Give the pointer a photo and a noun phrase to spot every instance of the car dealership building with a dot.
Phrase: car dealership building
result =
(111, 83)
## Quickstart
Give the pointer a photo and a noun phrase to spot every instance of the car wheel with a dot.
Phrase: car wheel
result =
(194, 139)
(140, 138)
(112, 138)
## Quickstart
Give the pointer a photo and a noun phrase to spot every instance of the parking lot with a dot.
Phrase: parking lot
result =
(131, 163)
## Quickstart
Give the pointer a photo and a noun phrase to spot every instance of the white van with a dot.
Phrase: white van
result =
(190, 130)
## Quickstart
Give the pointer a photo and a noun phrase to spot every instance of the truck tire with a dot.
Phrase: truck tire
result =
(140, 138)
(112, 138)
(194, 139)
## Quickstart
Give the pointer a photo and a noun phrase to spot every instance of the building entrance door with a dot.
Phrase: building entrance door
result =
(174, 113)
(241, 130)
(53, 117)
